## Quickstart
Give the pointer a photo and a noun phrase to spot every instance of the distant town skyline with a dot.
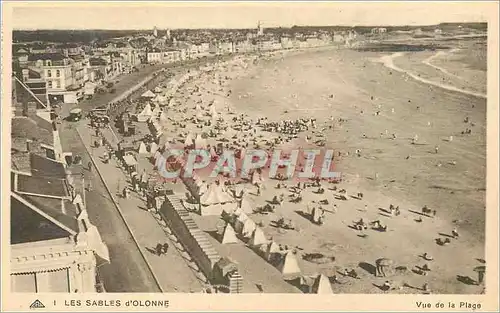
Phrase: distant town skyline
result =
(133, 15)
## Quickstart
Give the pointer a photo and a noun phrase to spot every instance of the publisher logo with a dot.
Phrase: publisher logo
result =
(37, 304)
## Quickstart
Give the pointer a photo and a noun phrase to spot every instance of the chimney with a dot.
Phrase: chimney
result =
(26, 73)
(29, 144)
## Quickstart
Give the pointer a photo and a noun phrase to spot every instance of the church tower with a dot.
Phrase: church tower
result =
(260, 29)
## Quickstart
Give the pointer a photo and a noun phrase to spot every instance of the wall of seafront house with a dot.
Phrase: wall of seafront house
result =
(190, 236)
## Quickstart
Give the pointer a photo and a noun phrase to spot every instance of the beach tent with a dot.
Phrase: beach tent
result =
(160, 99)
(142, 148)
(258, 238)
(157, 155)
(245, 205)
(242, 217)
(203, 187)
(189, 141)
(215, 200)
(153, 148)
(229, 235)
(156, 111)
(163, 118)
(145, 114)
(289, 265)
(215, 195)
(200, 142)
(148, 94)
(272, 249)
(77, 199)
(321, 285)
(248, 228)
(155, 128)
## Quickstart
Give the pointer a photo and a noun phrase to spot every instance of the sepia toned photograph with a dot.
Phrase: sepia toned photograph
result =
(249, 148)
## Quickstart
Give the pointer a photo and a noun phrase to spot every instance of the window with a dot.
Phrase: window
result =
(58, 84)
(49, 84)
(58, 73)
(23, 283)
(49, 73)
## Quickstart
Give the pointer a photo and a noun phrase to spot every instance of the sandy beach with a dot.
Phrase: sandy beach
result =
(369, 106)
(457, 192)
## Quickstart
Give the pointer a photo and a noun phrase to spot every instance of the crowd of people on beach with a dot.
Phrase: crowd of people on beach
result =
(204, 111)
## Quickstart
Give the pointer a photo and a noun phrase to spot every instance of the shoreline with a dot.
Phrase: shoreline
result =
(388, 62)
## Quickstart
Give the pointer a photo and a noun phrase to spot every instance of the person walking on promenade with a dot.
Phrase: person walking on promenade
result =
(89, 185)
(159, 249)
(165, 248)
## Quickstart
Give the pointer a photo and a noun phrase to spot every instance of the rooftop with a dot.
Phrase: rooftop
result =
(42, 166)
(32, 128)
(41, 185)
(46, 56)
(97, 61)
(27, 225)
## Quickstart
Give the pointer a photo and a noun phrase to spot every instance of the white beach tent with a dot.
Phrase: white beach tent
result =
(200, 142)
(248, 228)
(289, 265)
(229, 235)
(272, 249)
(245, 205)
(189, 141)
(258, 238)
(145, 114)
(156, 111)
(215, 195)
(142, 148)
(148, 94)
(321, 285)
(157, 155)
(203, 187)
(163, 118)
(153, 148)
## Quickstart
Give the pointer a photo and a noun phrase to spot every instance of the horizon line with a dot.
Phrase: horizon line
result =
(230, 28)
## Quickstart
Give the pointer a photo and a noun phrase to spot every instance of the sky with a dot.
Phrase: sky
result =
(146, 15)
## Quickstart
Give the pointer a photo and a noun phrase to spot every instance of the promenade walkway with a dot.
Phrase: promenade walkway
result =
(173, 271)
